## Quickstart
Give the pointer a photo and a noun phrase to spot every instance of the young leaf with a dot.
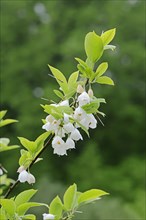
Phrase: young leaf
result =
(108, 36)
(105, 80)
(2, 113)
(58, 93)
(9, 206)
(40, 141)
(29, 145)
(56, 207)
(4, 147)
(23, 208)
(101, 69)
(60, 78)
(93, 46)
(24, 196)
(91, 107)
(6, 122)
(29, 217)
(69, 197)
(91, 195)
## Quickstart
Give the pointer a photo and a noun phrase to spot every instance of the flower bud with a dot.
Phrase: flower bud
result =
(90, 93)
(80, 89)
(48, 216)
(20, 169)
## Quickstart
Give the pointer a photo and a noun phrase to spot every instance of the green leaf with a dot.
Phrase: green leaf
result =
(6, 148)
(93, 46)
(24, 196)
(101, 69)
(2, 113)
(58, 93)
(9, 206)
(29, 145)
(91, 195)
(23, 208)
(40, 141)
(91, 107)
(29, 217)
(105, 80)
(60, 78)
(25, 158)
(108, 36)
(6, 122)
(69, 197)
(56, 207)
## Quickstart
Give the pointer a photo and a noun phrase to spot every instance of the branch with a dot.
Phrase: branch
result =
(31, 164)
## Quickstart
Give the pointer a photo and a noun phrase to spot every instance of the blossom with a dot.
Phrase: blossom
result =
(70, 144)
(1, 172)
(51, 123)
(59, 146)
(83, 99)
(89, 121)
(48, 216)
(24, 176)
(75, 135)
(79, 114)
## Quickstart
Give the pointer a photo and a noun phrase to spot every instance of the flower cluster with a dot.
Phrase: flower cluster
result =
(24, 176)
(66, 129)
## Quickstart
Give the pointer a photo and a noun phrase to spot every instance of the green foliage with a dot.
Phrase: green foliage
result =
(56, 207)
(4, 122)
(16, 208)
(108, 36)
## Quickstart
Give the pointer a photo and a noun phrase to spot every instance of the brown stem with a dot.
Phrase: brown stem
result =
(31, 164)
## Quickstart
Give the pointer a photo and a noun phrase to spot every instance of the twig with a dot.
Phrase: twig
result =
(31, 164)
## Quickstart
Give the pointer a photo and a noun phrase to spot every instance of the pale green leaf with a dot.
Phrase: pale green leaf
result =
(9, 206)
(91, 107)
(91, 195)
(23, 208)
(58, 93)
(29, 145)
(24, 196)
(93, 46)
(29, 217)
(60, 78)
(56, 207)
(69, 197)
(6, 122)
(6, 148)
(105, 80)
(108, 36)
(2, 113)
(101, 69)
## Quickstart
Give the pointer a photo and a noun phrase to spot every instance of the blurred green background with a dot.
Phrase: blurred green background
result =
(37, 32)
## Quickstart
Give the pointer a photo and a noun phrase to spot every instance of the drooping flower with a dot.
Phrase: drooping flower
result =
(75, 135)
(48, 216)
(59, 146)
(79, 114)
(70, 144)
(24, 176)
(89, 121)
(83, 99)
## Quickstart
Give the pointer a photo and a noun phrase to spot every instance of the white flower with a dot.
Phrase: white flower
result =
(68, 127)
(83, 99)
(75, 135)
(30, 178)
(89, 121)
(52, 124)
(59, 146)
(90, 93)
(24, 176)
(64, 103)
(1, 172)
(48, 216)
(70, 144)
(79, 114)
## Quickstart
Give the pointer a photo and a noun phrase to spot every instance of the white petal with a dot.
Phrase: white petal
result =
(75, 135)
(92, 121)
(30, 178)
(83, 99)
(48, 216)
(64, 103)
(60, 150)
(47, 126)
(23, 176)
(79, 113)
(68, 127)
(66, 118)
(1, 172)
(57, 141)
(50, 118)
(70, 144)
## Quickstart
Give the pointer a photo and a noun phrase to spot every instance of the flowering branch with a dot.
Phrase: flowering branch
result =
(31, 164)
